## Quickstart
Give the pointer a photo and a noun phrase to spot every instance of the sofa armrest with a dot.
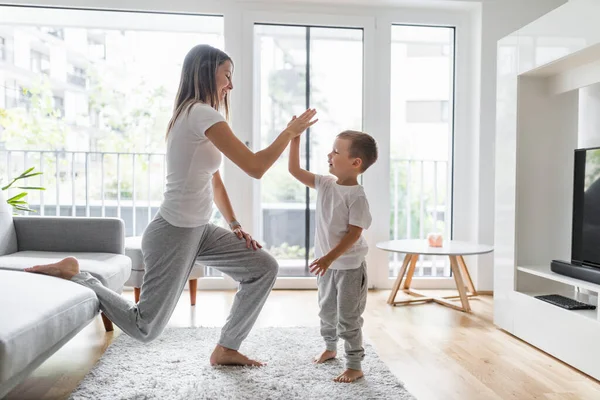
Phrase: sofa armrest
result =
(70, 234)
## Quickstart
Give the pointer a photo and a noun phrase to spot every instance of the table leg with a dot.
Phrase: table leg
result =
(458, 275)
(411, 271)
(409, 265)
(466, 275)
(401, 273)
(460, 285)
(461, 277)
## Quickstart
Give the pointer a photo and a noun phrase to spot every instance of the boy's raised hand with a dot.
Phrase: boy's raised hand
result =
(304, 176)
(295, 138)
(298, 125)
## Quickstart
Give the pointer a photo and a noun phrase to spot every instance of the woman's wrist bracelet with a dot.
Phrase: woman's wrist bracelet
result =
(234, 224)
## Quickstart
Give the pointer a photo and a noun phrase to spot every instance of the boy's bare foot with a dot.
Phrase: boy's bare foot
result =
(65, 268)
(349, 376)
(224, 356)
(326, 355)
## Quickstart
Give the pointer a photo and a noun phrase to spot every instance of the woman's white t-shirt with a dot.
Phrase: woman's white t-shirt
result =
(192, 159)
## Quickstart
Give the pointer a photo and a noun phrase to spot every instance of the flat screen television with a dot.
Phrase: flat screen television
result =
(585, 241)
(585, 244)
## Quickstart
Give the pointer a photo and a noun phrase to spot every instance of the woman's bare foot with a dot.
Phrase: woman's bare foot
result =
(349, 376)
(326, 355)
(65, 268)
(224, 356)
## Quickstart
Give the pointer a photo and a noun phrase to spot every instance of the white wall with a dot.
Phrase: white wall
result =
(589, 116)
(498, 19)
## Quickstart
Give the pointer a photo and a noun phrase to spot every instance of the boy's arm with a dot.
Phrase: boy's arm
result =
(307, 178)
(320, 265)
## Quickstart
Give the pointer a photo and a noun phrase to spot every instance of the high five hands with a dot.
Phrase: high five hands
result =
(299, 124)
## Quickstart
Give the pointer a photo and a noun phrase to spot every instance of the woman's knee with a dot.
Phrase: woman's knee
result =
(271, 266)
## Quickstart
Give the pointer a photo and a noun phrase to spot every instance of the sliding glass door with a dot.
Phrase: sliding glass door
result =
(297, 67)
(421, 141)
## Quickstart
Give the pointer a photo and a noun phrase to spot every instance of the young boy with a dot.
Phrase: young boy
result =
(342, 214)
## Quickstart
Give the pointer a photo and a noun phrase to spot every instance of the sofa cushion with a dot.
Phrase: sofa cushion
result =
(37, 313)
(8, 237)
(110, 269)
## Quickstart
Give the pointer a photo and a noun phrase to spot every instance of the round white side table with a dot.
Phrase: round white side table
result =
(455, 250)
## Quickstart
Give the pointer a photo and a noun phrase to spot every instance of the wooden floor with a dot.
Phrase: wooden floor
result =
(439, 353)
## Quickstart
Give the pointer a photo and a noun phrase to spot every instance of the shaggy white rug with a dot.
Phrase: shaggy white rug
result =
(175, 366)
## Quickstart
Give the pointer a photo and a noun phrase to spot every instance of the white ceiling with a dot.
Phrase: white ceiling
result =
(384, 2)
(447, 4)
(439, 4)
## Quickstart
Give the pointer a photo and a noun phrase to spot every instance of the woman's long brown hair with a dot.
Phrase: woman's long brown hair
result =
(198, 82)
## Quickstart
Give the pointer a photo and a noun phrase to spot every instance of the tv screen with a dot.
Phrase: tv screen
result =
(585, 248)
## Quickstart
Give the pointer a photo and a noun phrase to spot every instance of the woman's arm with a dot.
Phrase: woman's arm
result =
(224, 205)
(256, 164)
(222, 199)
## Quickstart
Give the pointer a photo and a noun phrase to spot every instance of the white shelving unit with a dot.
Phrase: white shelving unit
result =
(571, 288)
(548, 104)
(544, 271)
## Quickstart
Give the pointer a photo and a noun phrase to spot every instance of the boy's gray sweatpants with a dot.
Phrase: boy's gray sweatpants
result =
(342, 299)
(169, 255)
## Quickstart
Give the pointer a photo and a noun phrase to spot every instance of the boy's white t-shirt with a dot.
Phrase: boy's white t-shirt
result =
(192, 159)
(337, 207)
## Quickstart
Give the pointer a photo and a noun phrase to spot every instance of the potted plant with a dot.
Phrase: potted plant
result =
(17, 202)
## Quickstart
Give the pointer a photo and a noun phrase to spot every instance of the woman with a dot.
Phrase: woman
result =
(180, 234)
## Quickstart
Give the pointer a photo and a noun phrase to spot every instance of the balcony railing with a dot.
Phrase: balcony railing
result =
(130, 186)
(419, 192)
(103, 184)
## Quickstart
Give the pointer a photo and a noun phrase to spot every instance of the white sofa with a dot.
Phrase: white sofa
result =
(39, 313)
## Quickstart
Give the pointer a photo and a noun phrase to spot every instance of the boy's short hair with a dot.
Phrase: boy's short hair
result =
(363, 146)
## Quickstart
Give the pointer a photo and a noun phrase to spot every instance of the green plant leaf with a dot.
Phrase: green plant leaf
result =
(24, 175)
(26, 172)
(21, 208)
(31, 187)
(29, 175)
(9, 185)
(17, 197)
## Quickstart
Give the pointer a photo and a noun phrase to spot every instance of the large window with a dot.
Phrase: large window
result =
(89, 106)
(92, 116)
(299, 67)
(422, 93)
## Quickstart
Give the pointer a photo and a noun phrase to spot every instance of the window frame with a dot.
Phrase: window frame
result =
(308, 197)
(464, 187)
(446, 116)
(367, 24)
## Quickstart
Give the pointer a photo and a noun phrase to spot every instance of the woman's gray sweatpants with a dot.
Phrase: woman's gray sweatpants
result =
(169, 255)
(342, 299)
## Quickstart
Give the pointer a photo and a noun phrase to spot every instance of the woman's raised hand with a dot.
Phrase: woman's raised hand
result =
(299, 124)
